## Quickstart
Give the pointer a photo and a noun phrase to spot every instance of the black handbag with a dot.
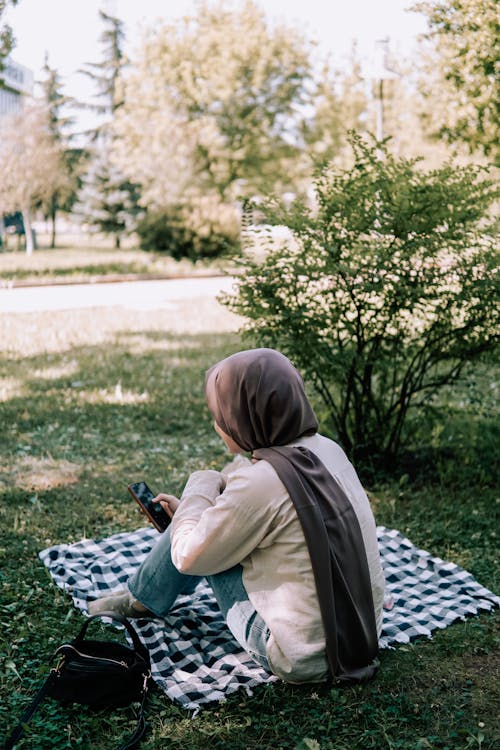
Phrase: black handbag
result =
(99, 674)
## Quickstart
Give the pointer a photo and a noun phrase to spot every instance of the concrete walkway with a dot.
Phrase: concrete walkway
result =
(135, 295)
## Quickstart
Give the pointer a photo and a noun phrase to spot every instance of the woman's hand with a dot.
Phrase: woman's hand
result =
(169, 503)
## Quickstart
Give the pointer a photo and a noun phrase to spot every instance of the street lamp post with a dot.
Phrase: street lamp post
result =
(378, 73)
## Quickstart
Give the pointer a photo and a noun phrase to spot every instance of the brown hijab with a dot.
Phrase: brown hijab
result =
(257, 397)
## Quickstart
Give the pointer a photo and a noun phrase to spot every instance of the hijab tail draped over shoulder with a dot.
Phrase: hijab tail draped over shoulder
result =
(338, 559)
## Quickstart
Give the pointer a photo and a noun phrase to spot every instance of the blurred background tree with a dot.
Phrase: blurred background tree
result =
(212, 110)
(60, 126)
(31, 163)
(6, 36)
(107, 199)
(461, 80)
(338, 105)
(214, 98)
(105, 73)
(224, 105)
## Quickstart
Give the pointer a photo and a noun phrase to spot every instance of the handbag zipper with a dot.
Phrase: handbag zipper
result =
(86, 656)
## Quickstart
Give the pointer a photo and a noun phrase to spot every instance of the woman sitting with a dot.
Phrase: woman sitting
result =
(286, 538)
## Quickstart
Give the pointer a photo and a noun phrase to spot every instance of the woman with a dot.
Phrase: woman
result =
(286, 539)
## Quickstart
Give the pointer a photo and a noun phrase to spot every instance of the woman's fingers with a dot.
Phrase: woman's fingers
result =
(169, 503)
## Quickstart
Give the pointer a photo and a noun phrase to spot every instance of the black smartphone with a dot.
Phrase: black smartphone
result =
(144, 496)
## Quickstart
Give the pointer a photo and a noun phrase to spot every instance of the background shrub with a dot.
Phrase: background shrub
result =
(387, 292)
(164, 232)
(203, 228)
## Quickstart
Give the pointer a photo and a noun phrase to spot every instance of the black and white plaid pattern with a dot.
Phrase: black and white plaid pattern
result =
(195, 659)
(426, 593)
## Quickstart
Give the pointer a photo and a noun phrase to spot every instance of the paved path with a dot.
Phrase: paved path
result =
(135, 295)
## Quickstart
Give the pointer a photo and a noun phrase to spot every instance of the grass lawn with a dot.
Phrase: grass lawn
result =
(92, 399)
(88, 258)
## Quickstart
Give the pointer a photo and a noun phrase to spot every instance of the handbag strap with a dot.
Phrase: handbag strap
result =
(131, 742)
(28, 713)
(142, 650)
(141, 726)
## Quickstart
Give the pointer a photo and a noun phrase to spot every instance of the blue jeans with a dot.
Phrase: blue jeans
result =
(158, 583)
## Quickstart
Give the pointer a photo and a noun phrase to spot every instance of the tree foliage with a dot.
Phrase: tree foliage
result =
(6, 36)
(105, 73)
(31, 165)
(59, 125)
(386, 294)
(211, 105)
(338, 105)
(464, 72)
(107, 199)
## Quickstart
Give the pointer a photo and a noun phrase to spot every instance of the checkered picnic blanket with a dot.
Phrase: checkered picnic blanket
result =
(194, 658)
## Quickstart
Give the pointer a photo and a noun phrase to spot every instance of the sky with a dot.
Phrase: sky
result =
(68, 30)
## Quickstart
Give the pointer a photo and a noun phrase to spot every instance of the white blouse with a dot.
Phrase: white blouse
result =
(252, 521)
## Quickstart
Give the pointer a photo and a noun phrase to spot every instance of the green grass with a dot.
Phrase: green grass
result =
(77, 262)
(89, 401)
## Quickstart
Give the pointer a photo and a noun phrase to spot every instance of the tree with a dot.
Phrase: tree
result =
(31, 166)
(107, 200)
(211, 106)
(339, 105)
(6, 37)
(386, 294)
(59, 123)
(105, 74)
(342, 103)
(463, 72)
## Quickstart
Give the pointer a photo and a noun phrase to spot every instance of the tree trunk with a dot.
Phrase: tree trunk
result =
(53, 214)
(117, 242)
(28, 231)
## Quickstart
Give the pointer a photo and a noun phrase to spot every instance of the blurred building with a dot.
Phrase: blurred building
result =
(16, 81)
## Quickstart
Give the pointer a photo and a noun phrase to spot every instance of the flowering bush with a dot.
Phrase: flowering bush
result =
(387, 292)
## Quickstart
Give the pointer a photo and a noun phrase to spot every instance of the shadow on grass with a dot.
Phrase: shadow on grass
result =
(80, 424)
(86, 421)
(94, 418)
